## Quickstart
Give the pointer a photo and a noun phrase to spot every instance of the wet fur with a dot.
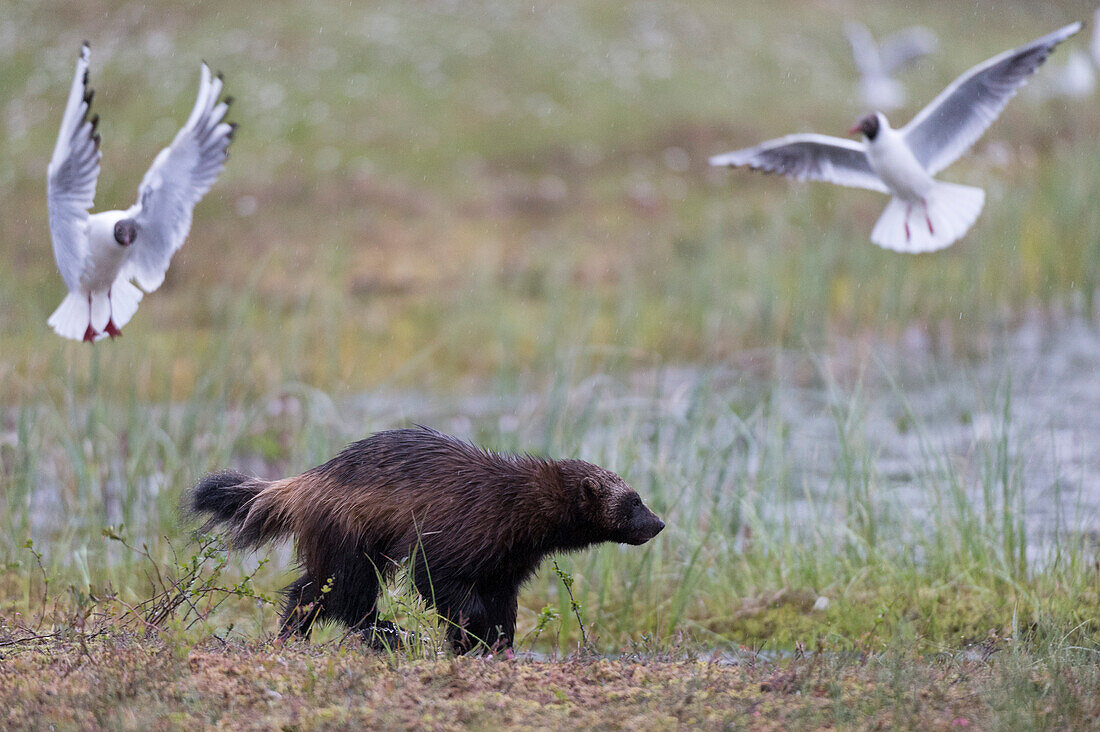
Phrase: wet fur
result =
(476, 525)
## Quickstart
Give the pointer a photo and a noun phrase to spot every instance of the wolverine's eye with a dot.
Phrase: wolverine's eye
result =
(635, 501)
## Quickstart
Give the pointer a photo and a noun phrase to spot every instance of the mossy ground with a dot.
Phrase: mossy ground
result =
(124, 682)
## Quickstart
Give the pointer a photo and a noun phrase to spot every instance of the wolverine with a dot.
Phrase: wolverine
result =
(473, 524)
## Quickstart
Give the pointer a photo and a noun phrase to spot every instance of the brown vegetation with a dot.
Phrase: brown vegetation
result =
(120, 681)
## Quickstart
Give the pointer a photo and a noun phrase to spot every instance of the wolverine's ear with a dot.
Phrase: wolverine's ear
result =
(590, 489)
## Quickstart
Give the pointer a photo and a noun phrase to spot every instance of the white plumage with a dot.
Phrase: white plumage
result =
(924, 214)
(99, 255)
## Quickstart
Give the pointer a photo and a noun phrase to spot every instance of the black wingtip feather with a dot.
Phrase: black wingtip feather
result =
(89, 95)
(228, 100)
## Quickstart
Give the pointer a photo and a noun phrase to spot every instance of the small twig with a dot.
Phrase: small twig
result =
(137, 615)
(29, 639)
(45, 583)
(45, 637)
(567, 580)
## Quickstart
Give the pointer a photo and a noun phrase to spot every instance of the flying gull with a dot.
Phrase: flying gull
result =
(877, 63)
(99, 254)
(924, 214)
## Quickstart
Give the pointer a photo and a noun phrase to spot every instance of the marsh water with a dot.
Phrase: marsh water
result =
(811, 442)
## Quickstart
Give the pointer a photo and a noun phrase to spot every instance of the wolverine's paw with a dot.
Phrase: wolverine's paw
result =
(387, 637)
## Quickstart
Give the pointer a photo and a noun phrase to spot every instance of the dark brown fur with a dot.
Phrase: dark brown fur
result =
(475, 524)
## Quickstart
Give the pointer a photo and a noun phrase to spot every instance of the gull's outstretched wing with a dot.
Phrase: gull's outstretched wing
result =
(902, 48)
(71, 176)
(947, 127)
(809, 157)
(181, 174)
(865, 51)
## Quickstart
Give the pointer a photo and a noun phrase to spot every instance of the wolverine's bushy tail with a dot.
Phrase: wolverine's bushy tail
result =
(237, 502)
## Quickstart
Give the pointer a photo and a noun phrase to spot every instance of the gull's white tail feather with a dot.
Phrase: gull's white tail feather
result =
(948, 212)
(70, 320)
(125, 297)
(101, 311)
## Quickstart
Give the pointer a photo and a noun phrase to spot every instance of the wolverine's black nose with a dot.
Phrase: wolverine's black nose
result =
(660, 525)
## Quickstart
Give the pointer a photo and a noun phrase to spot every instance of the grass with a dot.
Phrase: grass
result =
(498, 220)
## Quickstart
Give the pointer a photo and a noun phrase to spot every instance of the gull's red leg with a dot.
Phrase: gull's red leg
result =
(112, 329)
(90, 332)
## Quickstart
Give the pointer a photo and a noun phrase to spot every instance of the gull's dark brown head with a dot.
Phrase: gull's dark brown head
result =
(868, 126)
(125, 232)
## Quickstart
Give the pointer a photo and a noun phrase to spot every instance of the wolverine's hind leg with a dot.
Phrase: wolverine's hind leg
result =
(353, 594)
(302, 607)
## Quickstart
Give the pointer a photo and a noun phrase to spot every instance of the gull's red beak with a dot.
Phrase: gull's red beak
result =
(868, 126)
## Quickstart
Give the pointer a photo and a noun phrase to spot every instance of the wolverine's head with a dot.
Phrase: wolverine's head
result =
(615, 507)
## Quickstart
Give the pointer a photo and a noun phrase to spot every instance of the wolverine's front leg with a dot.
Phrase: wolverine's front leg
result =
(467, 623)
(462, 608)
(500, 617)
(479, 618)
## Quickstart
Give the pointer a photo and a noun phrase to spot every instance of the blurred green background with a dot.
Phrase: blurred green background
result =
(434, 191)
